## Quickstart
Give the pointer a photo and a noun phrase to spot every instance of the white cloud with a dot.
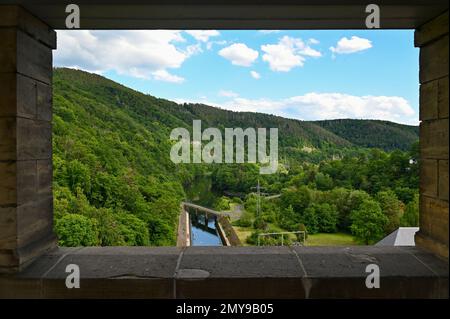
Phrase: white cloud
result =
(320, 106)
(255, 75)
(287, 54)
(203, 35)
(143, 54)
(239, 54)
(313, 41)
(226, 93)
(163, 75)
(347, 46)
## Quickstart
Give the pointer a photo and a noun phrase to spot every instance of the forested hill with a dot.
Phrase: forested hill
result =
(380, 134)
(114, 183)
(293, 133)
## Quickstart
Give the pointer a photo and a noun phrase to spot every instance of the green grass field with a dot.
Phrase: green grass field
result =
(243, 233)
(335, 239)
(321, 239)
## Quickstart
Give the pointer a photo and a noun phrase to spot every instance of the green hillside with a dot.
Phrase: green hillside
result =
(380, 134)
(114, 183)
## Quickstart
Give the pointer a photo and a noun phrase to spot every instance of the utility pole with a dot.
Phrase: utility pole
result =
(258, 199)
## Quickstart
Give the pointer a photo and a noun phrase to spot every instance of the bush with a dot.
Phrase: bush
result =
(76, 230)
(244, 221)
(222, 204)
(368, 222)
(260, 223)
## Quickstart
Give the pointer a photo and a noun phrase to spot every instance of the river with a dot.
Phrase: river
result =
(203, 233)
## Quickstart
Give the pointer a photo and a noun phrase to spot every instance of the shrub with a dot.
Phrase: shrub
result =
(76, 230)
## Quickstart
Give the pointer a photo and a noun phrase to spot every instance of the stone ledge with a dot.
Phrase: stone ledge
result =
(15, 16)
(431, 30)
(231, 272)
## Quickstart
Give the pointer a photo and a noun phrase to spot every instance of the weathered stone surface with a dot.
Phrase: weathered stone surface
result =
(434, 60)
(336, 262)
(34, 139)
(26, 97)
(33, 58)
(8, 183)
(20, 288)
(7, 94)
(434, 139)
(8, 143)
(443, 98)
(150, 272)
(434, 219)
(26, 181)
(121, 262)
(443, 180)
(44, 178)
(23, 54)
(431, 30)
(44, 102)
(219, 262)
(241, 288)
(8, 52)
(429, 177)
(124, 288)
(8, 226)
(429, 101)
(432, 246)
(15, 16)
(34, 220)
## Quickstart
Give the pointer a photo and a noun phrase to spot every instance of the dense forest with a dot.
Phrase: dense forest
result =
(114, 182)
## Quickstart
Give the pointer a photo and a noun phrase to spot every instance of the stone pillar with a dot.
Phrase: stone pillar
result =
(26, 201)
(432, 39)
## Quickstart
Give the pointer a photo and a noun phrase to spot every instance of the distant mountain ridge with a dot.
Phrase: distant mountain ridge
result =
(293, 133)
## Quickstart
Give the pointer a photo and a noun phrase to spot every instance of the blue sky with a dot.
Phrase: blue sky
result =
(307, 75)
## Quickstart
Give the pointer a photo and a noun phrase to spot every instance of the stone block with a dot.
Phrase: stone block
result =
(434, 219)
(44, 102)
(34, 221)
(429, 101)
(443, 180)
(8, 52)
(8, 226)
(220, 262)
(429, 177)
(443, 105)
(430, 245)
(8, 183)
(34, 59)
(34, 139)
(434, 139)
(8, 94)
(22, 54)
(44, 178)
(26, 181)
(8, 143)
(20, 288)
(434, 60)
(15, 16)
(431, 30)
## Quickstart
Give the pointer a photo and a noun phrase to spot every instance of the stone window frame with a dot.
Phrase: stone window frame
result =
(33, 267)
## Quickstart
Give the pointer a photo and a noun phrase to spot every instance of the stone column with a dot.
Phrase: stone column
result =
(432, 38)
(26, 201)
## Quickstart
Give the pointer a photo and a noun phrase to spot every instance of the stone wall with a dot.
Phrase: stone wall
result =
(26, 201)
(229, 231)
(432, 39)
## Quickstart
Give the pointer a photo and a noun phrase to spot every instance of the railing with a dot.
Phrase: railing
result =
(296, 243)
